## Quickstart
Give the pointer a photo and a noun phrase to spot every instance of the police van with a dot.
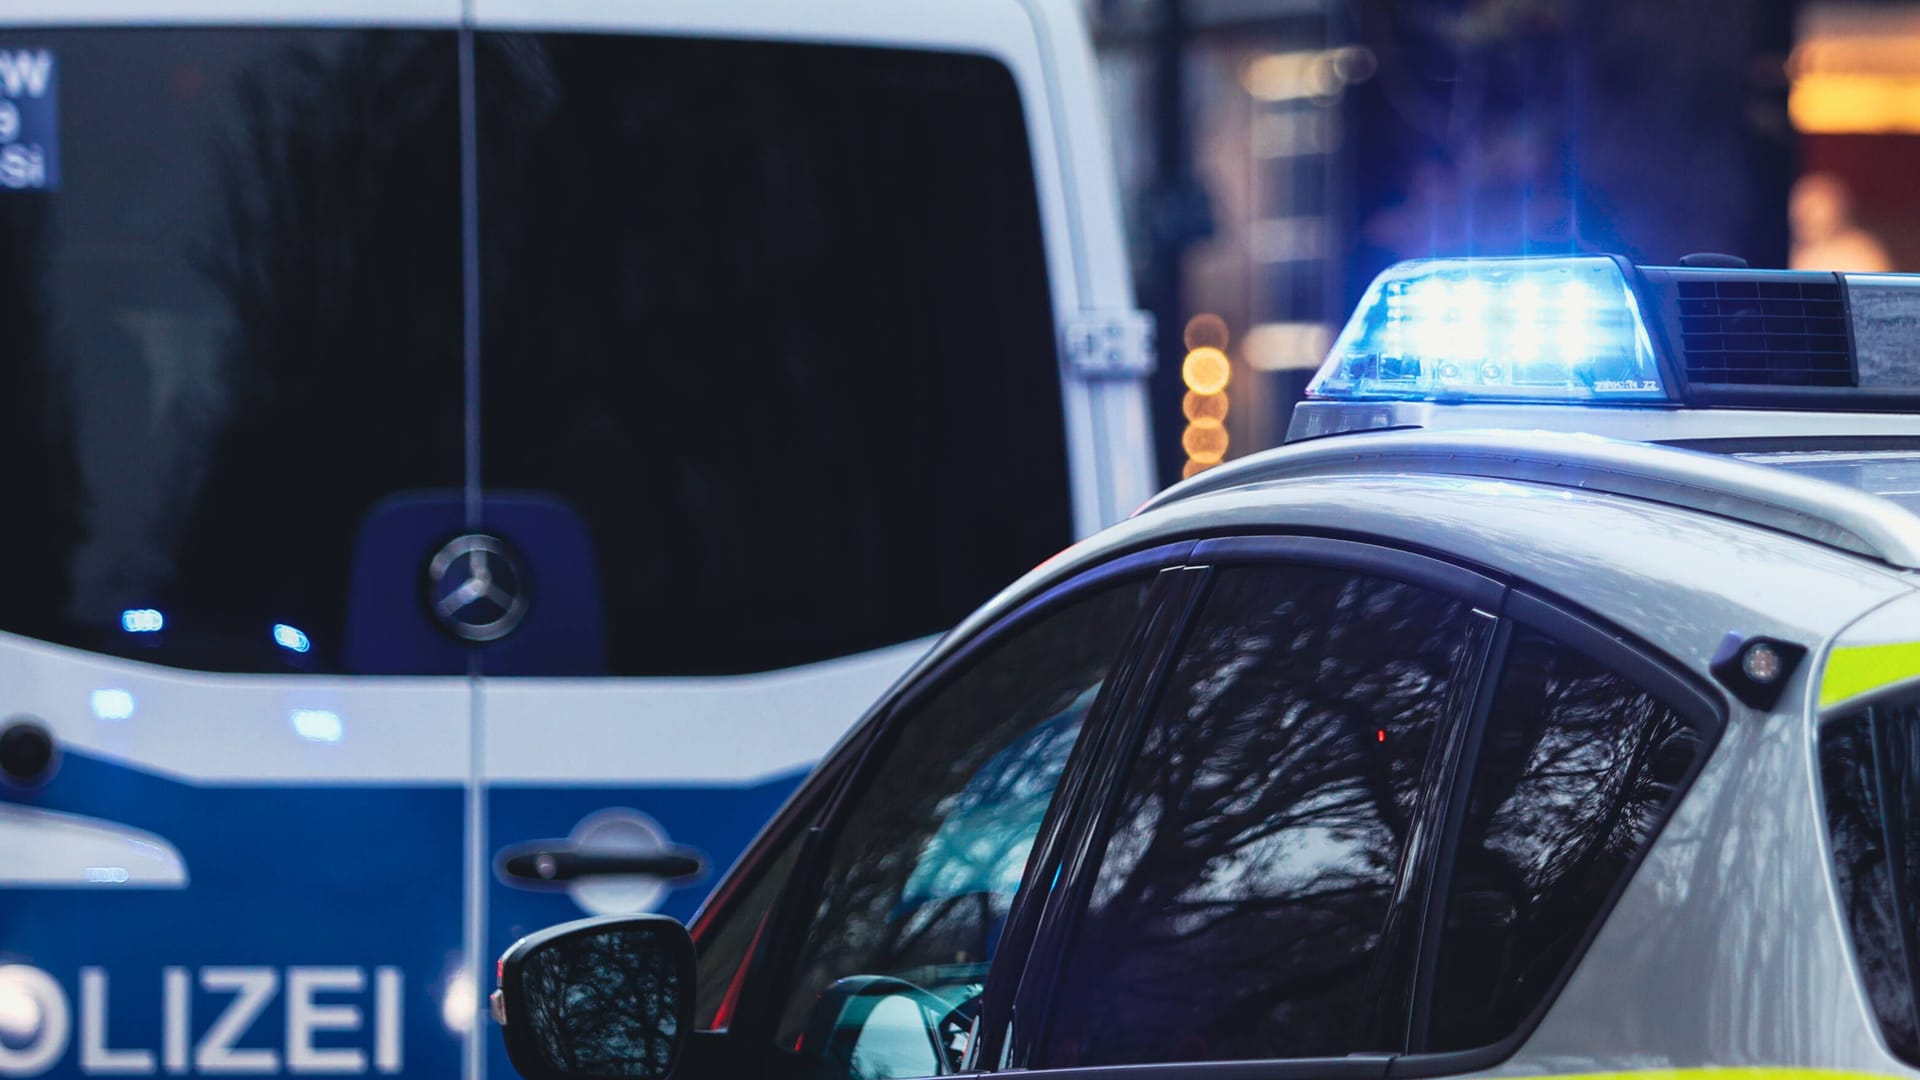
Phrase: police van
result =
(463, 460)
(1549, 706)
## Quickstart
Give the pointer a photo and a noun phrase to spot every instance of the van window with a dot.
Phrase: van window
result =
(231, 327)
(773, 318)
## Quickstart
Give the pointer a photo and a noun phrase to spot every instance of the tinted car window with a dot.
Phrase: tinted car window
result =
(1240, 907)
(232, 326)
(1577, 766)
(774, 320)
(929, 855)
(1870, 774)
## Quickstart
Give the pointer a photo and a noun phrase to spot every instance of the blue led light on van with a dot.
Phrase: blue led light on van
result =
(317, 725)
(111, 704)
(142, 621)
(291, 638)
(1511, 329)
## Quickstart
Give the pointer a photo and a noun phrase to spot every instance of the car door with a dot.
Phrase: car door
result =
(222, 848)
(885, 931)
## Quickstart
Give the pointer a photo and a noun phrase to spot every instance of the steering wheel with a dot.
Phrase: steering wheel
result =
(840, 1018)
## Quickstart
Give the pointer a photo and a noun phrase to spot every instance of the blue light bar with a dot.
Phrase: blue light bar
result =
(1561, 329)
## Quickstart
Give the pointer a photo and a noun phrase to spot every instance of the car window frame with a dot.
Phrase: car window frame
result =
(1065, 840)
(1573, 628)
(799, 813)
(769, 968)
(1017, 1043)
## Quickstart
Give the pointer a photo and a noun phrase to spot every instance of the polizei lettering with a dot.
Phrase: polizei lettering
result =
(338, 1021)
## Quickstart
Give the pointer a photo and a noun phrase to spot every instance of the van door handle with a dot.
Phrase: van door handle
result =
(548, 861)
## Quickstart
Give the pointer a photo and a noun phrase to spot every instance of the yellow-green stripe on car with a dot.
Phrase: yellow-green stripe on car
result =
(1858, 670)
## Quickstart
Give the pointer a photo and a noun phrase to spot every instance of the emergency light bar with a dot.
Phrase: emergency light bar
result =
(1556, 329)
(1596, 330)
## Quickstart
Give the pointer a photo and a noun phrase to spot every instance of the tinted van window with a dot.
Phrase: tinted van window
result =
(774, 320)
(1576, 769)
(1240, 909)
(765, 325)
(231, 326)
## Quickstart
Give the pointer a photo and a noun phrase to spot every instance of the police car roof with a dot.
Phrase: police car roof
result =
(1787, 493)
(1678, 577)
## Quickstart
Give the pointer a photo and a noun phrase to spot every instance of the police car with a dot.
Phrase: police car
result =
(1550, 705)
(462, 462)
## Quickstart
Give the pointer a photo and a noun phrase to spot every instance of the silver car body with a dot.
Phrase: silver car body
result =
(1728, 948)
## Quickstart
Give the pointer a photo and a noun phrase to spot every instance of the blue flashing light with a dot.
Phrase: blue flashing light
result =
(1561, 329)
(291, 638)
(142, 621)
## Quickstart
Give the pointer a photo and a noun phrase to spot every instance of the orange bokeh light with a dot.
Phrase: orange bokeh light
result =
(1206, 370)
(1200, 408)
(1205, 443)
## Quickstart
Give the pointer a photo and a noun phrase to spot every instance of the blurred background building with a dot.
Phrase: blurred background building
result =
(1276, 154)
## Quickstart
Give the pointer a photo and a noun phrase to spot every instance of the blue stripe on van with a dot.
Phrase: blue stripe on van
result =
(359, 878)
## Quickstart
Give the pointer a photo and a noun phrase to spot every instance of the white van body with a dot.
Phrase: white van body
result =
(277, 447)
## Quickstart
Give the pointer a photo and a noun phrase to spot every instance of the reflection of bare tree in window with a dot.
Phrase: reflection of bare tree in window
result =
(1245, 889)
(40, 481)
(337, 251)
(604, 1004)
(1575, 769)
(926, 865)
(1870, 773)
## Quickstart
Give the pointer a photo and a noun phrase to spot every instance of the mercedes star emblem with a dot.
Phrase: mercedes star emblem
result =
(475, 588)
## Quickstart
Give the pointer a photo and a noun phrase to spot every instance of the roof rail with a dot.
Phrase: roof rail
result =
(1816, 510)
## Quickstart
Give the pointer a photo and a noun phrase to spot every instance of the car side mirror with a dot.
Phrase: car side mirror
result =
(598, 999)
